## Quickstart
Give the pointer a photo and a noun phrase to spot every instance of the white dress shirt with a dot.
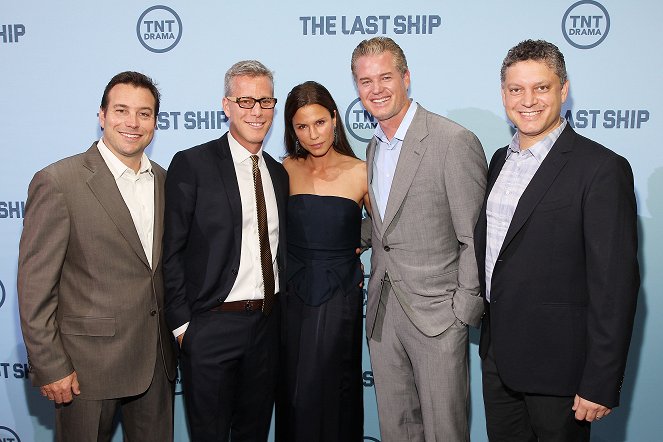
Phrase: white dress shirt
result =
(137, 190)
(249, 283)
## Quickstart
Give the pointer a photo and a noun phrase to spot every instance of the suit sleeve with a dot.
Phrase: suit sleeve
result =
(178, 217)
(613, 280)
(42, 252)
(465, 182)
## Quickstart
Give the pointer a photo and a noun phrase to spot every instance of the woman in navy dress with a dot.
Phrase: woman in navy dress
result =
(320, 396)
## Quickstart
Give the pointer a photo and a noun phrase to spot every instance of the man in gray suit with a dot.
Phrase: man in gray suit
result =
(90, 284)
(427, 177)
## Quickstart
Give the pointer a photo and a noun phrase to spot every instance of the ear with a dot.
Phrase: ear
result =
(102, 118)
(565, 91)
(503, 92)
(224, 104)
(406, 79)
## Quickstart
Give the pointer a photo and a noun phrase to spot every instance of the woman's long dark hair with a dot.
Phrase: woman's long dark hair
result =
(302, 95)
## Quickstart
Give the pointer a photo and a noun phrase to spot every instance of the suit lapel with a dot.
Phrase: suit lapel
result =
(541, 182)
(159, 179)
(103, 186)
(370, 158)
(231, 187)
(412, 151)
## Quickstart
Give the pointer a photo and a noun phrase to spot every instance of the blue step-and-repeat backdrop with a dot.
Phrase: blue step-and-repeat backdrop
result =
(56, 58)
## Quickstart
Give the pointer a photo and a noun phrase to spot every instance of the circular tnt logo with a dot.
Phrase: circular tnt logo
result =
(359, 122)
(159, 29)
(8, 435)
(586, 24)
(2, 296)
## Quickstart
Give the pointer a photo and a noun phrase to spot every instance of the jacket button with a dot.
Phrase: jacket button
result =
(219, 300)
(387, 248)
(234, 271)
(153, 312)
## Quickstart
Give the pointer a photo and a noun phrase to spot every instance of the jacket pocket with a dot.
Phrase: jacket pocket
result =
(87, 326)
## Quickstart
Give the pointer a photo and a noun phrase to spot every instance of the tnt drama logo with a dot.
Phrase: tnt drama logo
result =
(2, 295)
(8, 435)
(159, 29)
(359, 122)
(585, 24)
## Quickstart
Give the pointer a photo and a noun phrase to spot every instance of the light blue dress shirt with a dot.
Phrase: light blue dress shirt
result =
(386, 157)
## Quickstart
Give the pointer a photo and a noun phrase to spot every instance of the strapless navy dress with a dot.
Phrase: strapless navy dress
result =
(320, 393)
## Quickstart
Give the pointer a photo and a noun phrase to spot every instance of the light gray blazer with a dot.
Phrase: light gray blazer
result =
(89, 300)
(425, 242)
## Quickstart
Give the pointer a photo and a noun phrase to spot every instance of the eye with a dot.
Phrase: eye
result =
(320, 122)
(120, 111)
(544, 88)
(145, 114)
(386, 78)
(300, 126)
(515, 90)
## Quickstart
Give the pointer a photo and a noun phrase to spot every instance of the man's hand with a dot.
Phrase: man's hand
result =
(588, 410)
(61, 391)
(179, 339)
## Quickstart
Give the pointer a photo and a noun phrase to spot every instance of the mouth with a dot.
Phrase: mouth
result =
(530, 114)
(130, 136)
(380, 100)
(256, 124)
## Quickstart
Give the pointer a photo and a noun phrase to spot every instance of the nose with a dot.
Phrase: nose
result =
(256, 110)
(314, 133)
(529, 98)
(132, 120)
(376, 87)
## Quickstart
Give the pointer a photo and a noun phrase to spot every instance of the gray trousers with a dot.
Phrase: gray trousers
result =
(421, 382)
(147, 417)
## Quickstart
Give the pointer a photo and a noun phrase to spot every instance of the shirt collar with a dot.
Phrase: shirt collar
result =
(239, 152)
(540, 149)
(117, 167)
(402, 128)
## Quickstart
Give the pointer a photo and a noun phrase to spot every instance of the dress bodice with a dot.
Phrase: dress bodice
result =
(323, 235)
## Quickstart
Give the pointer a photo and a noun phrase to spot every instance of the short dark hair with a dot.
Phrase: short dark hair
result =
(135, 79)
(537, 50)
(302, 95)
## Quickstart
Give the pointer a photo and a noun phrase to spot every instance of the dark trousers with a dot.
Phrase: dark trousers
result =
(147, 417)
(229, 370)
(513, 416)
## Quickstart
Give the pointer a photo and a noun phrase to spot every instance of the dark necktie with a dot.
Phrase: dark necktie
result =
(263, 236)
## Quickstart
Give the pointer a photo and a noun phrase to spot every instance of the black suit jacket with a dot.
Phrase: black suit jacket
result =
(564, 287)
(203, 228)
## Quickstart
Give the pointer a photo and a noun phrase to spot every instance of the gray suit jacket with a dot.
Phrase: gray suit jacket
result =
(88, 299)
(425, 242)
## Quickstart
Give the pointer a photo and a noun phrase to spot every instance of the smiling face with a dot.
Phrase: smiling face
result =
(128, 122)
(382, 88)
(314, 127)
(533, 95)
(249, 126)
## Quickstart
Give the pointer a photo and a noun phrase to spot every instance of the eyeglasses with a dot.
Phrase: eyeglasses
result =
(250, 102)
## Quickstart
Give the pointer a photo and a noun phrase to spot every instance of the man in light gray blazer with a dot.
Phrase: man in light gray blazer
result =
(427, 177)
(90, 284)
